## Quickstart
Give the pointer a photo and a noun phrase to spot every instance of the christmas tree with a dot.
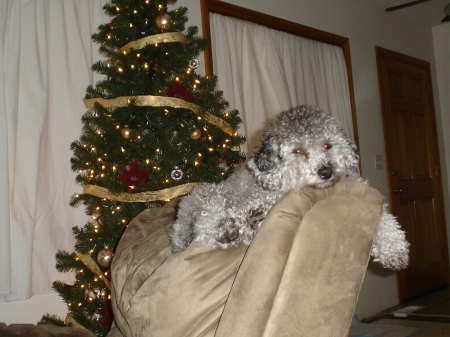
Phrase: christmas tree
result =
(153, 131)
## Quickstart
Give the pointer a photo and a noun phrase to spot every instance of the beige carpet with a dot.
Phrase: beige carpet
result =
(399, 328)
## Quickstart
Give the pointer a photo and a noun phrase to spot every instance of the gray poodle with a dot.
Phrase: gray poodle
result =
(305, 147)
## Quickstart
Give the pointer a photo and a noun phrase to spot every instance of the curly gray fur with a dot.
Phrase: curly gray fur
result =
(305, 147)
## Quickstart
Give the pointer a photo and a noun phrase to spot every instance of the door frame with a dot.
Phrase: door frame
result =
(388, 54)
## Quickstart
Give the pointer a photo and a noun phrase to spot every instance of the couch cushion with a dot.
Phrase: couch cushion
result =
(303, 269)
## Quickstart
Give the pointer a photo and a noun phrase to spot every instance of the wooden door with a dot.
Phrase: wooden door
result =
(414, 170)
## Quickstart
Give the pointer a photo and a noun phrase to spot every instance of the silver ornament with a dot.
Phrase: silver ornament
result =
(105, 257)
(177, 173)
(194, 63)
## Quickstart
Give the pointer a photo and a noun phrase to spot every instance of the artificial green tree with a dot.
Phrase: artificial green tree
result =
(154, 130)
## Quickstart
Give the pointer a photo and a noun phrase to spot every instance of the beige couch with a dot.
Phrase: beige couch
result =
(301, 275)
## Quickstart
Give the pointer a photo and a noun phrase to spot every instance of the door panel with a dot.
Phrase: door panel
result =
(413, 166)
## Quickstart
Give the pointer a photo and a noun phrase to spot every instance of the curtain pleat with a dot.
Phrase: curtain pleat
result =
(46, 54)
(264, 71)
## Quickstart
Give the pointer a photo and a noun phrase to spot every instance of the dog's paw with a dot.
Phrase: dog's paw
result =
(228, 231)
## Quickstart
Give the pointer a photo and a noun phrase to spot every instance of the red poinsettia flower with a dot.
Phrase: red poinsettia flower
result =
(134, 176)
(69, 287)
(108, 314)
(179, 92)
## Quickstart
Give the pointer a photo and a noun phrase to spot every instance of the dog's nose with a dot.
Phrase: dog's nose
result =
(325, 172)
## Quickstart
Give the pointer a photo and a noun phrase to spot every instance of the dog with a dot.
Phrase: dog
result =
(304, 148)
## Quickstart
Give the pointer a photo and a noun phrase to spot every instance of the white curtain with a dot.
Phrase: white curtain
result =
(45, 54)
(264, 71)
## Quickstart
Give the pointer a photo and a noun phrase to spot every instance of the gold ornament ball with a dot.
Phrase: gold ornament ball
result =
(126, 132)
(164, 21)
(105, 257)
(196, 134)
(109, 63)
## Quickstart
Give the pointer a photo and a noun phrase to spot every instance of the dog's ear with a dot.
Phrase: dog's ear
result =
(264, 159)
(353, 160)
(265, 163)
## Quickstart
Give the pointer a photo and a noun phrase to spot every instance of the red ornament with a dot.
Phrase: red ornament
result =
(110, 25)
(133, 176)
(179, 92)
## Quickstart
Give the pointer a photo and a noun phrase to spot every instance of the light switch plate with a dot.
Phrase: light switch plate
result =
(379, 162)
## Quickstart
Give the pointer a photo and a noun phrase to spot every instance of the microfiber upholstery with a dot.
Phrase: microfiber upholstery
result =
(300, 276)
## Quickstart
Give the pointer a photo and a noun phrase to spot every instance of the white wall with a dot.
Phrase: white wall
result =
(366, 26)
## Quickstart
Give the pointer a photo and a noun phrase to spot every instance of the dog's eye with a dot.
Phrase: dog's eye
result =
(327, 146)
(298, 151)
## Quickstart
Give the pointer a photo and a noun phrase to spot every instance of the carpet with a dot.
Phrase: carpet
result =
(376, 329)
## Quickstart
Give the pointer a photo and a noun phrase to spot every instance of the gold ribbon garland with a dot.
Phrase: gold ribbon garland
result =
(165, 194)
(70, 321)
(154, 39)
(93, 267)
(160, 101)
(157, 101)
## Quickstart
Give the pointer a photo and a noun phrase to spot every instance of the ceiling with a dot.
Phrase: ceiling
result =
(428, 13)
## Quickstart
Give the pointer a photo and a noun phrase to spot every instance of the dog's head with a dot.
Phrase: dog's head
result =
(305, 147)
